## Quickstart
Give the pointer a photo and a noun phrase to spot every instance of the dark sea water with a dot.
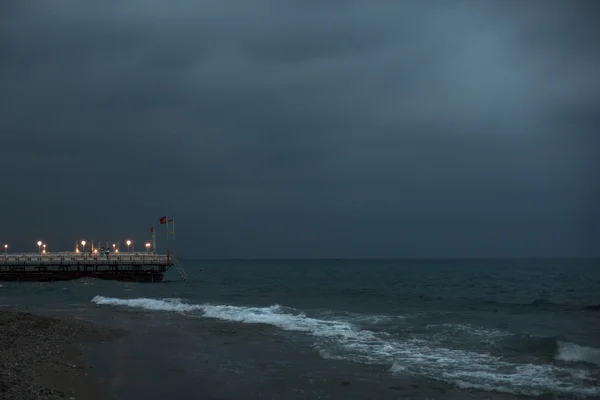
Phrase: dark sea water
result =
(343, 329)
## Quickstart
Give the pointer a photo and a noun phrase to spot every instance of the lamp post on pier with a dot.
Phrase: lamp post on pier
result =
(83, 246)
(5, 251)
(147, 248)
(44, 249)
(39, 243)
(128, 243)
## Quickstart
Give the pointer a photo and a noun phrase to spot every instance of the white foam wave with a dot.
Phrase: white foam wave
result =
(342, 340)
(362, 319)
(571, 352)
(148, 304)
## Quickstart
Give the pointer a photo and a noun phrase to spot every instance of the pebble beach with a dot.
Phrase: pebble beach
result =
(41, 359)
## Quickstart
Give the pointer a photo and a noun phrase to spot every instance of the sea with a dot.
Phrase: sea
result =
(342, 329)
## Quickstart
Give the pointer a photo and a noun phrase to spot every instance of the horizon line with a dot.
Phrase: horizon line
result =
(389, 258)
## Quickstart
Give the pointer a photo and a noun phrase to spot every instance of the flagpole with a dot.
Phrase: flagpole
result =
(167, 230)
(173, 233)
(154, 239)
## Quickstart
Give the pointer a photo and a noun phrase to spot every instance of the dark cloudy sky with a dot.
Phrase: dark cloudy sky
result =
(316, 128)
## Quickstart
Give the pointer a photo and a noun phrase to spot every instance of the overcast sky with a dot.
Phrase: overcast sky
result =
(316, 128)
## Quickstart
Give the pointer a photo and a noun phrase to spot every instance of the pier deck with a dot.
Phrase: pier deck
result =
(137, 267)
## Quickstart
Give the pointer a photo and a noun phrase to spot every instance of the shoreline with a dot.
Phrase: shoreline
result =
(41, 357)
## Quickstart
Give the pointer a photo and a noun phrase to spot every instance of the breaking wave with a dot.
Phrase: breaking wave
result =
(341, 339)
(571, 352)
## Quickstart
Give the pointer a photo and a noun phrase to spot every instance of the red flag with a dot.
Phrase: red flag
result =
(152, 229)
(163, 220)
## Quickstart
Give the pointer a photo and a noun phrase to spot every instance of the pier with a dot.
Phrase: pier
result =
(133, 267)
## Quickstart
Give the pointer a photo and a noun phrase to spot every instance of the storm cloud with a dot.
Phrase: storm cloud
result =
(304, 128)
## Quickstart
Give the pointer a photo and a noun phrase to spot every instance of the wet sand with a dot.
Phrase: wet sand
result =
(41, 359)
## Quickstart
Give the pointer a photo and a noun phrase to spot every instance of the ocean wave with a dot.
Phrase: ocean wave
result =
(370, 320)
(341, 339)
(466, 332)
(543, 304)
(542, 347)
(571, 352)
(148, 304)
(523, 344)
(550, 348)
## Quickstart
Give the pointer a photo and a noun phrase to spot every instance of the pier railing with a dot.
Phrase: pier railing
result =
(87, 259)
